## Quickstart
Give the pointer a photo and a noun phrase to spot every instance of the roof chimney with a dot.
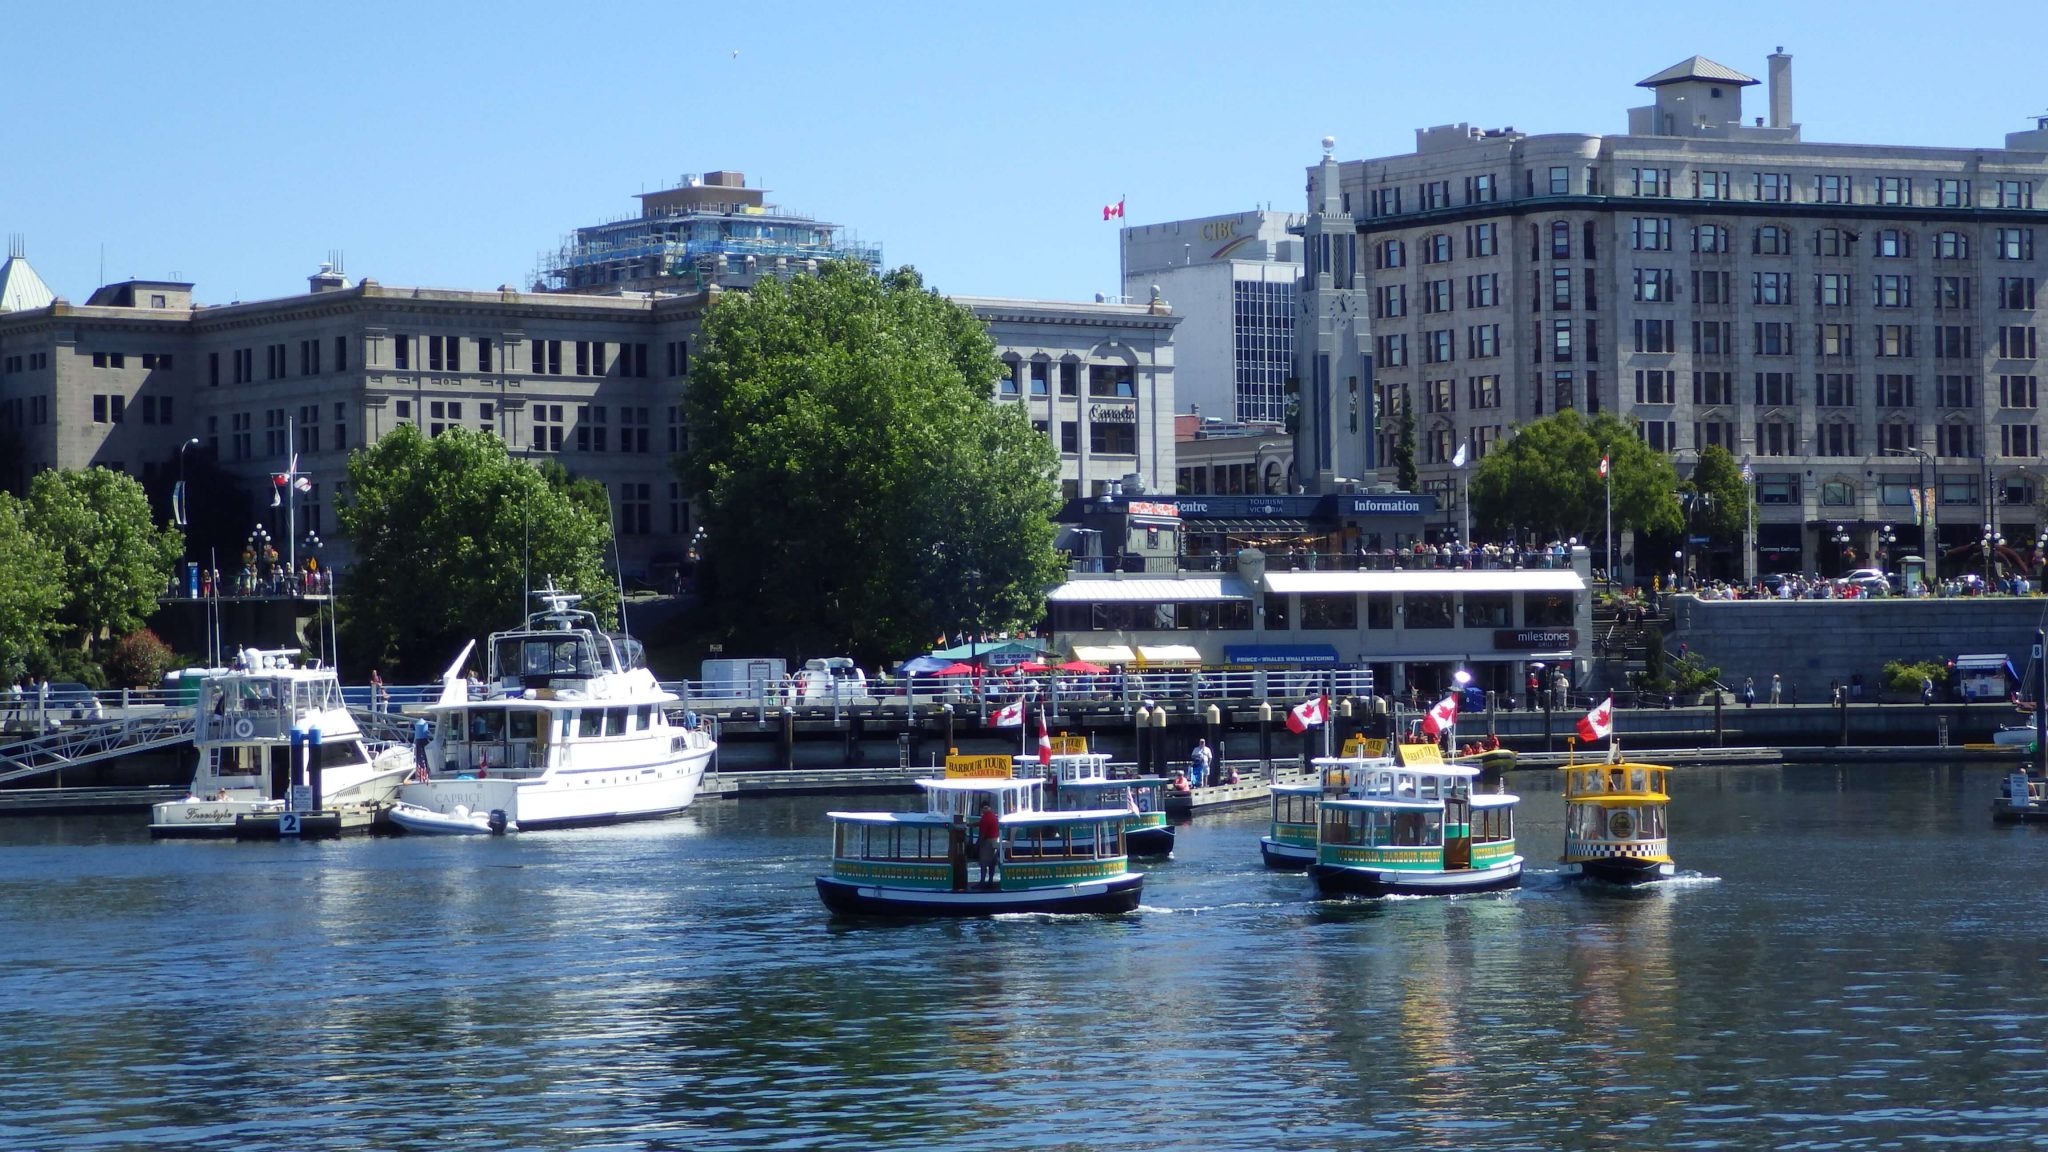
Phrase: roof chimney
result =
(1781, 88)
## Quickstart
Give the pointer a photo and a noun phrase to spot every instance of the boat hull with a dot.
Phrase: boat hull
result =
(571, 798)
(1149, 841)
(1340, 880)
(417, 821)
(1290, 857)
(1101, 897)
(1618, 870)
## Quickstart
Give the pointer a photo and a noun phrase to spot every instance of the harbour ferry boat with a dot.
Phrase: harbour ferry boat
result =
(1078, 780)
(1614, 823)
(1414, 828)
(1290, 841)
(570, 728)
(254, 725)
(2022, 797)
(920, 864)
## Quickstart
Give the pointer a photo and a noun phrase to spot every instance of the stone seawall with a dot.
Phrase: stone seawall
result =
(1811, 643)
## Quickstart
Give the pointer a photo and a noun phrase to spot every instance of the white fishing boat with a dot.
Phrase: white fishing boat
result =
(569, 728)
(267, 725)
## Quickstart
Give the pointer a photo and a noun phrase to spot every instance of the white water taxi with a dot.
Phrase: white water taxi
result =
(1614, 823)
(1078, 780)
(1414, 827)
(1290, 841)
(272, 723)
(570, 728)
(919, 863)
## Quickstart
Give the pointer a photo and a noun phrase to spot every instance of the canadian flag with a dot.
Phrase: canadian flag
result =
(1441, 718)
(1114, 210)
(1010, 715)
(1599, 723)
(1603, 467)
(1044, 744)
(1308, 714)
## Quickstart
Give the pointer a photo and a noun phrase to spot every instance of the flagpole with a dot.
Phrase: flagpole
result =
(1607, 474)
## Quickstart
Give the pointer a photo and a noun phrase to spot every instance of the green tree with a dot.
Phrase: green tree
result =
(862, 492)
(31, 590)
(112, 559)
(138, 660)
(1405, 476)
(448, 532)
(1721, 516)
(1545, 481)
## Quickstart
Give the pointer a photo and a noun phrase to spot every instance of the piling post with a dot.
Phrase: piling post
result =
(786, 740)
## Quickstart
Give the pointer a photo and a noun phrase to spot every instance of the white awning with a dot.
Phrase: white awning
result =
(1168, 654)
(1427, 580)
(1105, 654)
(1159, 591)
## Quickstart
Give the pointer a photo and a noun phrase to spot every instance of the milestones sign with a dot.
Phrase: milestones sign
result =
(1535, 639)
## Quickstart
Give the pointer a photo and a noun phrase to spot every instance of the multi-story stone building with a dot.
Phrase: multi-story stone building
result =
(595, 381)
(1857, 323)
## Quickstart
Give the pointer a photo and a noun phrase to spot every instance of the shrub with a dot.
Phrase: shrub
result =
(1900, 676)
(138, 660)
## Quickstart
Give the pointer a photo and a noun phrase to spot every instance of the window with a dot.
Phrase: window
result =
(635, 428)
(1894, 340)
(1560, 289)
(1955, 391)
(1834, 340)
(678, 357)
(1070, 378)
(1483, 290)
(1771, 240)
(1833, 242)
(1713, 388)
(1952, 342)
(1656, 336)
(636, 509)
(401, 352)
(547, 358)
(2012, 244)
(1648, 234)
(1391, 254)
(1561, 341)
(2016, 392)
(547, 427)
(1653, 285)
(1893, 244)
(1959, 489)
(1894, 390)
(1393, 350)
(2019, 440)
(1651, 181)
(1710, 238)
(1439, 346)
(2015, 193)
(1592, 233)
(1113, 380)
(1113, 439)
(1951, 246)
(1833, 290)
(1835, 438)
(2016, 342)
(1896, 436)
(1834, 389)
(1390, 302)
(341, 426)
(1435, 194)
(1776, 438)
(1070, 437)
(1831, 189)
(1656, 386)
(1774, 388)
(1770, 287)
(1440, 396)
(1482, 340)
(1482, 392)
(1562, 392)
(1482, 239)
(1893, 291)
(1436, 249)
(1710, 287)
(1660, 435)
(1713, 434)
(1952, 193)
(1560, 240)
(1958, 440)
(1436, 296)
(1560, 180)
(1773, 339)
(2015, 292)
(1711, 185)
(1952, 293)
(483, 354)
(1892, 189)
(1773, 186)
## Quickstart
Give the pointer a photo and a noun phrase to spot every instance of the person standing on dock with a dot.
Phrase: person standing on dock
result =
(1927, 689)
(1749, 691)
(1777, 689)
(1200, 758)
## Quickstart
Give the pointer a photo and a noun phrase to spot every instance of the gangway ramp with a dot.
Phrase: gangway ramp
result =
(79, 744)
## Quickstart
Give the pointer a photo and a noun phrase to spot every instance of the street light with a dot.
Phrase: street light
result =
(1886, 537)
(1992, 542)
(312, 574)
(1841, 539)
(1748, 523)
(1923, 507)
(178, 502)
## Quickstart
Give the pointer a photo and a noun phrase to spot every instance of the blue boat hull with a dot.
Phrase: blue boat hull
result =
(1119, 894)
(1331, 880)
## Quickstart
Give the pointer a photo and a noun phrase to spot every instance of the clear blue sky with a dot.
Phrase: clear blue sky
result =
(448, 144)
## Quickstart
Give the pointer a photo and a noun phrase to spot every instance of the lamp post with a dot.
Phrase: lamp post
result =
(1840, 537)
(311, 578)
(1748, 523)
(1992, 542)
(2041, 558)
(1923, 503)
(178, 503)
(1886, 537)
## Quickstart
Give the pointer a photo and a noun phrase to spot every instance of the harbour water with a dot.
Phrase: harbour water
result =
(1851, 958)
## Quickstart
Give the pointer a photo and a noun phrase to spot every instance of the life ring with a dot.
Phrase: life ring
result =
(245, 728)
(1621, 825)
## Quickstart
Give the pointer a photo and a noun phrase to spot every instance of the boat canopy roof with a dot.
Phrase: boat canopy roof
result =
(1009, 820)
(1485, 800)
(981, 784)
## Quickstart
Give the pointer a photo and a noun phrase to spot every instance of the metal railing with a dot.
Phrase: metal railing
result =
(69, 746)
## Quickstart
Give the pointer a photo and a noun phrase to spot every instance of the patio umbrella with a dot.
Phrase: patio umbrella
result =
(1032, 666)
(1083, 666)
(917, 664)
(960, 670)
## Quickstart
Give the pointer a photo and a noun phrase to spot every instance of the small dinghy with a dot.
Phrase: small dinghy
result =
(457, 821)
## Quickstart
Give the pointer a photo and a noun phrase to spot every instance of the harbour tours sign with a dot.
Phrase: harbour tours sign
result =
(977, 767)
(1535, 639)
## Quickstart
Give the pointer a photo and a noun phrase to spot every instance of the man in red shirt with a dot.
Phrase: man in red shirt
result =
(987, 835)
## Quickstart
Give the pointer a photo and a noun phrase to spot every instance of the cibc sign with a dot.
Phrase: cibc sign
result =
(1534, 639)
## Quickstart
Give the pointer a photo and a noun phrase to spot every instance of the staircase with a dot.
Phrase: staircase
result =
(73, 745)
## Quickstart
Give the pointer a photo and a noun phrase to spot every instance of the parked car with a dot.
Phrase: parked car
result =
(1870, 581)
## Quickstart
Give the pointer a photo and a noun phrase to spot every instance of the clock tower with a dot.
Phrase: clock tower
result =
(1333, 441)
